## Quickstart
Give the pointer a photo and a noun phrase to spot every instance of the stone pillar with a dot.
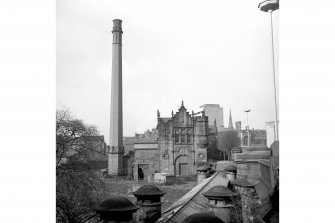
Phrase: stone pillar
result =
(116, 152)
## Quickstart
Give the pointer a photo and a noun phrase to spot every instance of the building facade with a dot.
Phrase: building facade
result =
(182, 142)
(253, 137)
(138, 165)
(147, 159)
(177, 146)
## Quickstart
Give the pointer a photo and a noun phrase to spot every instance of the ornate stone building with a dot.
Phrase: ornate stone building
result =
(177, 146)
(182, 142)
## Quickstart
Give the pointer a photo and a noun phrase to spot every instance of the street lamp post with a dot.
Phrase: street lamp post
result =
(247, 111)
(270, 6)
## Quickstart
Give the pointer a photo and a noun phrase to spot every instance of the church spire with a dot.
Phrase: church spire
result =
(230, 121)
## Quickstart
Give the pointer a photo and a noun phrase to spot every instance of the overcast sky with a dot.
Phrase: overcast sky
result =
(202, 52)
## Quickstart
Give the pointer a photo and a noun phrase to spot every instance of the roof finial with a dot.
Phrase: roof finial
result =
(158, 114)
(182, 106)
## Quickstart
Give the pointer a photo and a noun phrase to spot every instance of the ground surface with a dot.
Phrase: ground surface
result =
(127, 187)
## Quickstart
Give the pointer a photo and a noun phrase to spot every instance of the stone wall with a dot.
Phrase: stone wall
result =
(245, 170)
(254, 171)
(250, 203)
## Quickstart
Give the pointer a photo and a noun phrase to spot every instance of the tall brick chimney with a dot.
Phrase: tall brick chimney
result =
(116, 152)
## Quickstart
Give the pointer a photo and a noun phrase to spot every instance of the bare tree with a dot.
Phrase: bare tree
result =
(73, 136)
(78, 187)
(227, 140)
(213, 153)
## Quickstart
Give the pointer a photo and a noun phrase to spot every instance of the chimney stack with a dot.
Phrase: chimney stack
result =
(116, 209)
(231, 172)
(116, 152)
(149, 198)
(202, 173)
(220, 200)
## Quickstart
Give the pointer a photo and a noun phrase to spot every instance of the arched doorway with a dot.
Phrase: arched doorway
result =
(181, 166)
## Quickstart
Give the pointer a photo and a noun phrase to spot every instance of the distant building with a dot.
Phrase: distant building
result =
(131, 144)
(253, 137)
(146, 160)
(270, 132)
(214, 113)
(129, 141)
(230, 125)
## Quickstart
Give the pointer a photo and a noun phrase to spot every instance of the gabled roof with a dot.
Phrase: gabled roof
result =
(192, 202)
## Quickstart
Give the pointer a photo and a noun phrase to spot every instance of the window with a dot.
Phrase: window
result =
(182, 139)
(176, 139)
(183, 135)
(188, 139)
